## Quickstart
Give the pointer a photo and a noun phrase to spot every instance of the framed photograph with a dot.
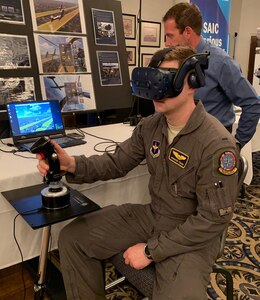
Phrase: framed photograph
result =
(109, 68)
(62, 53)
(16, 89)
(14, 52)
(104, 27)
(129, 22)
(58, 16)
(11, 12)
(131, 55)
(74, 91)
(150, 34)
(145, 59)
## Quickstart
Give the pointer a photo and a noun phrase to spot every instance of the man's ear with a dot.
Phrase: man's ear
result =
(188, 32)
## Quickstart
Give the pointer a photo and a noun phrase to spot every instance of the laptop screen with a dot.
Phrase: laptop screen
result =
(35, 119)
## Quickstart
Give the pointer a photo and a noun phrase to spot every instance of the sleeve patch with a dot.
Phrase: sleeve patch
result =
(227, 163)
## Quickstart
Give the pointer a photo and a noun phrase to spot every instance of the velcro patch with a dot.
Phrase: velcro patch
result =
(225, 211)
(155, 149)
(227, 163)
(179, 158)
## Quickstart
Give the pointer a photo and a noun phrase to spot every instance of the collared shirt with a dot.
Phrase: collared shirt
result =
(225, 86)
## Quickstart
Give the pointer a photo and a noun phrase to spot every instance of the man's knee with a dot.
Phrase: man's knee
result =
(71, 232)
(184, 277)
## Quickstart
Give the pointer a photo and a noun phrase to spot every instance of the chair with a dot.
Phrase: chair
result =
(143, 279)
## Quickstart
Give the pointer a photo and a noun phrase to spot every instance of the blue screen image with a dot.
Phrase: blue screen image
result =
(33, 117)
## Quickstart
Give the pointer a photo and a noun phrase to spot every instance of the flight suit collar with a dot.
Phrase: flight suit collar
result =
(196, 119)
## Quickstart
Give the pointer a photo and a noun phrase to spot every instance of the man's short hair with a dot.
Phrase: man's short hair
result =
(178, 53)
(185, 14)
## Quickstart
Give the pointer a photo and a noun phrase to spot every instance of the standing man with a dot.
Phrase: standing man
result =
(225, 84)
(192, 160)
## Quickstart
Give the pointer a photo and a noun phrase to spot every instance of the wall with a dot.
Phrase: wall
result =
(234, 25)
(245, 18)
(151, 10)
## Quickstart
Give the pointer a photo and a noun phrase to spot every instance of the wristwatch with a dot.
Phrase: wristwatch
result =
(147, 252)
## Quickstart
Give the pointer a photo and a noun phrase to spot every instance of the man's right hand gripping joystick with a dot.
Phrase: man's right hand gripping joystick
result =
(51, 162)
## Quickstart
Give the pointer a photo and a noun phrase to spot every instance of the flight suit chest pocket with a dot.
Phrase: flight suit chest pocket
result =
(182, 181)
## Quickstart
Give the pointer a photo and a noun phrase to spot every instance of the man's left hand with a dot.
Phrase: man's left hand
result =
(135, 257)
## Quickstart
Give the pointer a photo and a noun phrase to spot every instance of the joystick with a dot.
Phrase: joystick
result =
(55, 195)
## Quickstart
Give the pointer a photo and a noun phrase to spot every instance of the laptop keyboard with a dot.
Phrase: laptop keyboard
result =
(64, 142)
(68, 142)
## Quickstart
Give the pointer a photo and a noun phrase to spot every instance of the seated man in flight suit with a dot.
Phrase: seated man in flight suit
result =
(192, 160)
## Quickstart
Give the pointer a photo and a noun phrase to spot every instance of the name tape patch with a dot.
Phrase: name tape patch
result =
(179, 158)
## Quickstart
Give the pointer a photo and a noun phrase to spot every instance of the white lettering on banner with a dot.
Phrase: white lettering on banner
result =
(217, 42)
(210, 27)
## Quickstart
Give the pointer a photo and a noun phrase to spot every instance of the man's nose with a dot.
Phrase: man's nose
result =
(168, 42)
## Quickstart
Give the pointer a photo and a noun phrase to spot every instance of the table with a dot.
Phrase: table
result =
(27, 201)
(17, 172)
(252, 146)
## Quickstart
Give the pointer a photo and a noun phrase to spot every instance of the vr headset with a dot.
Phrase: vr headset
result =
(156, 84)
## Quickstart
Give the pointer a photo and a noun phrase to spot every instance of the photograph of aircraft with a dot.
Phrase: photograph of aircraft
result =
(74, 92)
(61, 54)
(58, 15)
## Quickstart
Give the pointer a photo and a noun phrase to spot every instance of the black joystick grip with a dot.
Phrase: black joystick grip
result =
(56, 195)
(45, 148)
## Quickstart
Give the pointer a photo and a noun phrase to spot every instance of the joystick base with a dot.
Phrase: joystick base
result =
(54, 200)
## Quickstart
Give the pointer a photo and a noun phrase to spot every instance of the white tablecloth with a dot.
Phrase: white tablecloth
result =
(255, 141)
(252, 146)
(17, 172)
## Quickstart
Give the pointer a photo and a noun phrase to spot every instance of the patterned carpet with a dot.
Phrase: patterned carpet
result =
(241, 255)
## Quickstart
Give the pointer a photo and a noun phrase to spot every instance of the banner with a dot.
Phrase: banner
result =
(215, 21)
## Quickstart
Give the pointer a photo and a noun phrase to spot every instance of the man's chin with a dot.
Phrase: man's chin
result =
(158, 105)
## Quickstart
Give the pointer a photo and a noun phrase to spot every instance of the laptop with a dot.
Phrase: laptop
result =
(31, 120)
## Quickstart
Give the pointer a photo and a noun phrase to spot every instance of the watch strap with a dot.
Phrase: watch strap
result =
(147, 252)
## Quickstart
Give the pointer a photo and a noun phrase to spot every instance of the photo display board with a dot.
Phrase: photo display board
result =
(73, 51)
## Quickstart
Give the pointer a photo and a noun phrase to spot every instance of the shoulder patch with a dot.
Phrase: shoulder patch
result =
(155, 149)
(179, 158)
(227, 163)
